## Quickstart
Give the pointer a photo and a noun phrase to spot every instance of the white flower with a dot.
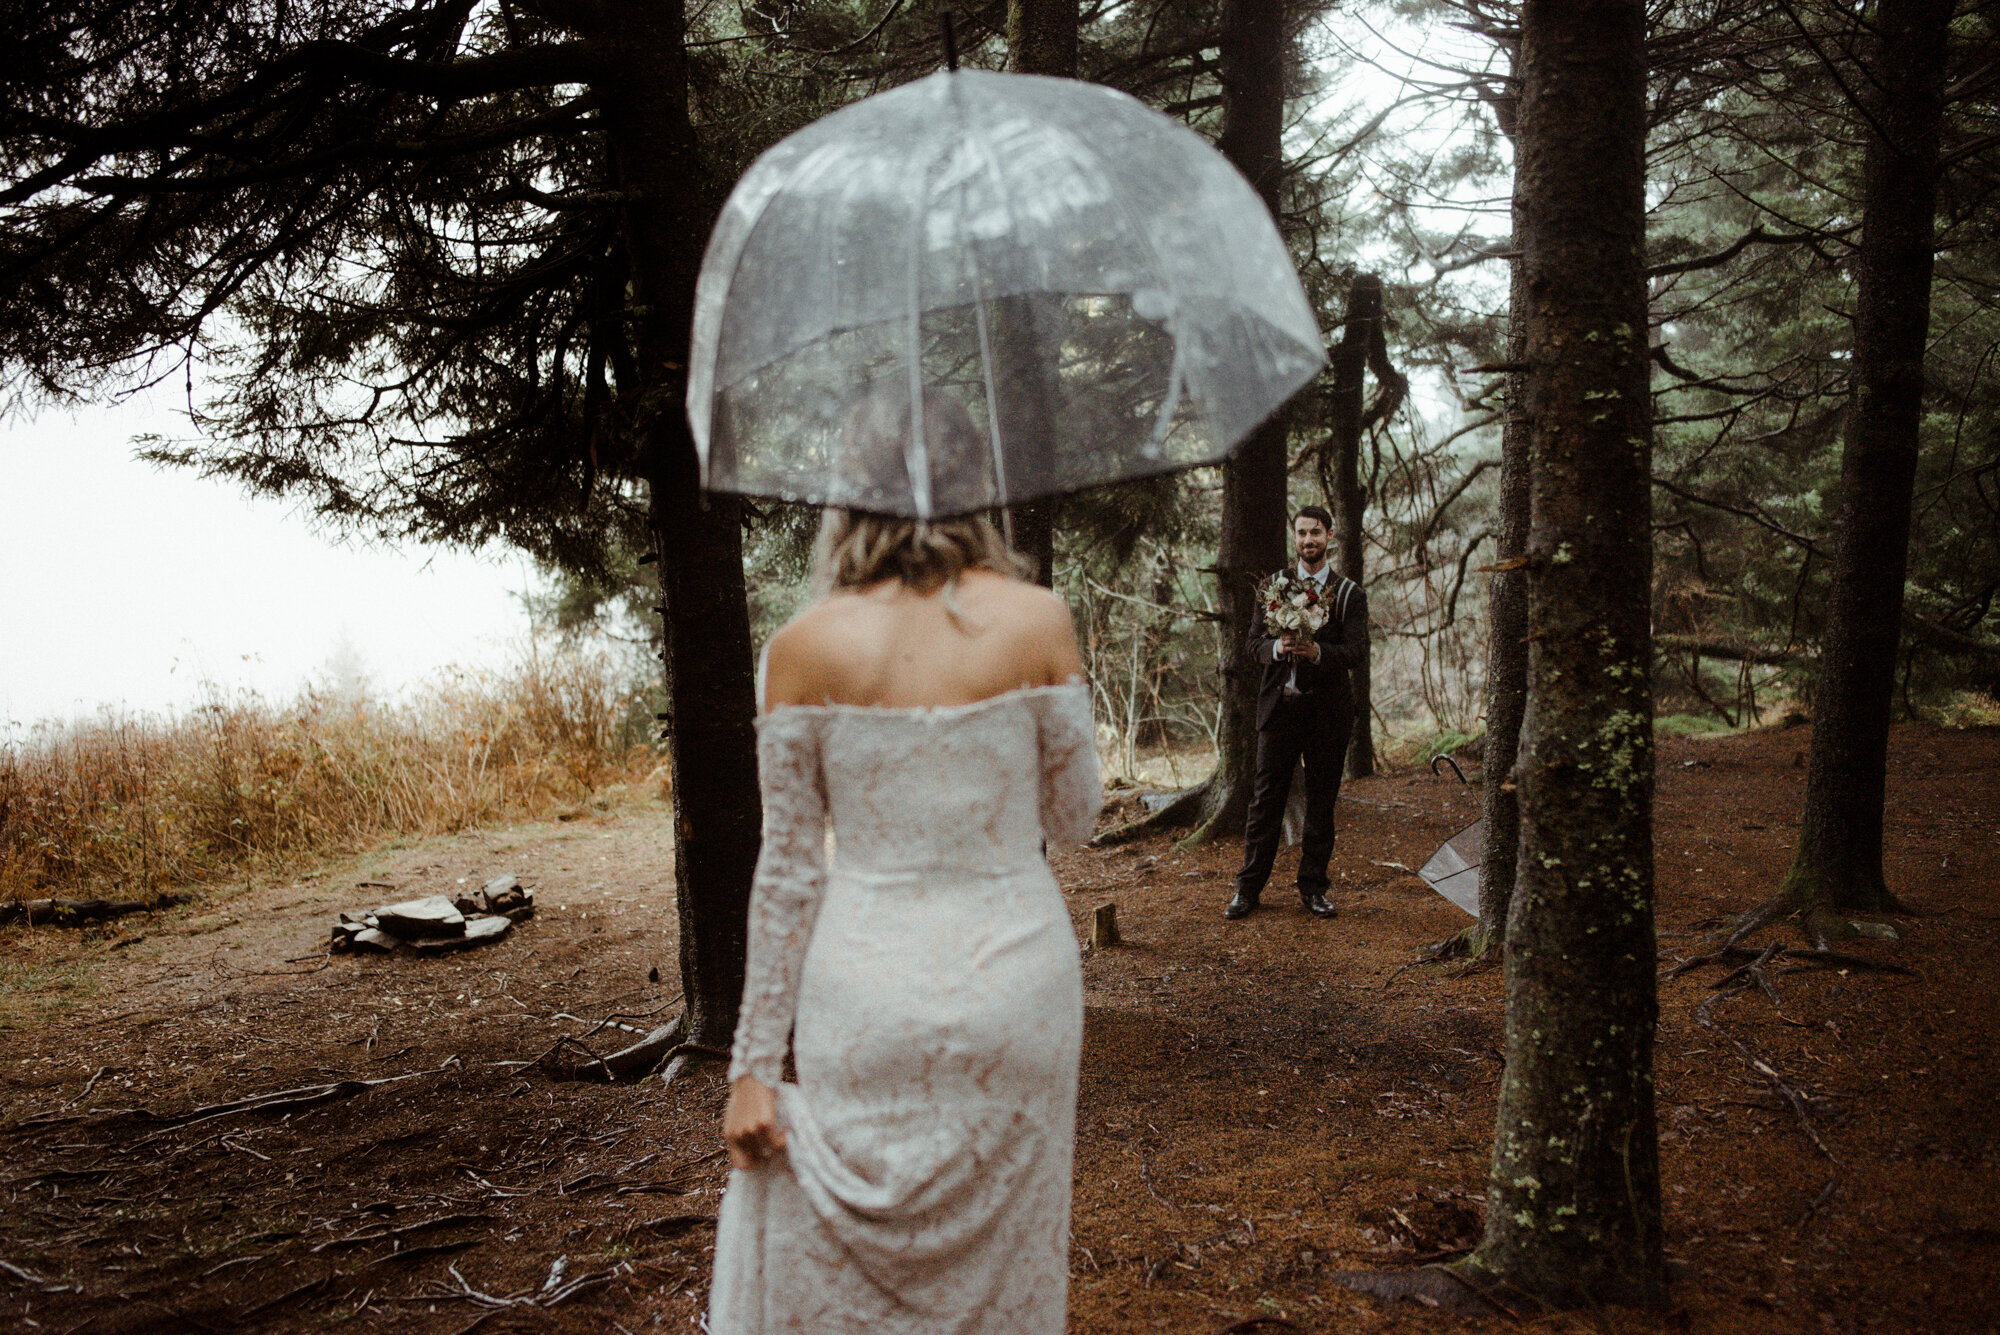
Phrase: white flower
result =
(1298, 600)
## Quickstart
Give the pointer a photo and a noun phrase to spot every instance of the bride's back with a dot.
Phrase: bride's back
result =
(892, 642)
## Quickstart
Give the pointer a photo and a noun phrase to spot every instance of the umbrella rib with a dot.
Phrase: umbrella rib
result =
(995, 445)
(916, 458)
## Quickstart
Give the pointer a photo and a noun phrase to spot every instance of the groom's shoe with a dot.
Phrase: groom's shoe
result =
(1240, 904)
(1314, 902)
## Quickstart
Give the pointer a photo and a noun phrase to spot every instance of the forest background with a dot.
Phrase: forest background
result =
(469, 309)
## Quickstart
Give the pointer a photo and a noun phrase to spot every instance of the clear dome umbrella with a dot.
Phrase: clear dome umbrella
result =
(983, 289)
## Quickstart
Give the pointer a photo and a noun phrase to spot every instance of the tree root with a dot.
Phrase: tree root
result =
(1446, 1287)
(1735, 984)
(1802, 960)
(1471, 943)
(681, 1058)
(1175, 815)
(1820, 927)
(1793, 1097)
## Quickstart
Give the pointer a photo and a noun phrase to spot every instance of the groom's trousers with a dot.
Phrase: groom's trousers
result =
(1314, 728)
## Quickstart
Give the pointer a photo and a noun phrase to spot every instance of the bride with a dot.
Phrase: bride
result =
(927, 710)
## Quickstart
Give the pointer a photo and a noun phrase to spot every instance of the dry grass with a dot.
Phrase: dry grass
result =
(130, 804)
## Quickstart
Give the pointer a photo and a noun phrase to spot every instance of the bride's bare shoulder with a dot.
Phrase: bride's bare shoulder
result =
(1018, 596)
(823, 626)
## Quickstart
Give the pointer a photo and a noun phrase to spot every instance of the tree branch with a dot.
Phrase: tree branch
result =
(1737, 247)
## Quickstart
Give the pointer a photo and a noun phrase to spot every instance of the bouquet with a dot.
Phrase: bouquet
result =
(1292, 606)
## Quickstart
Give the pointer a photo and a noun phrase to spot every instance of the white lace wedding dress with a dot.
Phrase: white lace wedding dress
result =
(932, 975)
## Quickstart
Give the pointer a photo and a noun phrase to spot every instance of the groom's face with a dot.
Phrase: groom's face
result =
(1309, 536)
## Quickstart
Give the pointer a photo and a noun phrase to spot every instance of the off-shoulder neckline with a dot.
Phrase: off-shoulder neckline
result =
(835, 708)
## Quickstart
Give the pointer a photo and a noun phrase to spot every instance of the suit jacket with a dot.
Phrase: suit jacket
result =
(1343, 647)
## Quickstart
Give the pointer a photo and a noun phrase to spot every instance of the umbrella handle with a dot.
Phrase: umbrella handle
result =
(950, 41)
(1447, 760)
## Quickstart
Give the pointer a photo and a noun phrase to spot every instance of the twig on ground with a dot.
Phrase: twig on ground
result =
(1146, 1177)
(90, 1085)
(301, 1291)
(27, 1276)
(1818, 1203)
(290, 1100)
(1400, 972)
(1794, 1098)
(377, 1235)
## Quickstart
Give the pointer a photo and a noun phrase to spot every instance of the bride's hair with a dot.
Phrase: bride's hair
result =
(856, 548)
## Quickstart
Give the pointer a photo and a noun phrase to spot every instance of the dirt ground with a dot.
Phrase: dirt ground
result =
(1264, 1104)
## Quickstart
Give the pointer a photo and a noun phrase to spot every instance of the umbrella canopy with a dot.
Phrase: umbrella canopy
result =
(1453, 870)
(980, 289)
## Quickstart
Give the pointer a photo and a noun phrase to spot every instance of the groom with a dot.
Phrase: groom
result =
(1305, 708)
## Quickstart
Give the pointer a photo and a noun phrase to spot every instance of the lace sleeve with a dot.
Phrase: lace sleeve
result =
(785, 894)
(1071, 796)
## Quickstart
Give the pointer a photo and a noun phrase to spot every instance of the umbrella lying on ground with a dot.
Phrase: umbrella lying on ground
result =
(1453, 870)
(1029, 285)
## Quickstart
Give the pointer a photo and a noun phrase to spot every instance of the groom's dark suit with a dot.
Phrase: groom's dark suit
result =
(1303, 710)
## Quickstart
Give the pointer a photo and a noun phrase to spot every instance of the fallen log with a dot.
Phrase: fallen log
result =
(74, 912)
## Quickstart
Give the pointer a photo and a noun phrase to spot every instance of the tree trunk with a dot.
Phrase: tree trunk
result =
(1506, 642)
(1042, 38)
(1573, 1201)
(1253, 480)
(1838, 867)
(1342, 481)
(708, 671)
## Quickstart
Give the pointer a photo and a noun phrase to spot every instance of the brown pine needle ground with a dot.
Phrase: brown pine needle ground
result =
(1258, 1113)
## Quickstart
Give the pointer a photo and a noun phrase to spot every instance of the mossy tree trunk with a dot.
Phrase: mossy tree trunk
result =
(1253, 481)
(1573, 1201)
(1837, 869)
(707, 660)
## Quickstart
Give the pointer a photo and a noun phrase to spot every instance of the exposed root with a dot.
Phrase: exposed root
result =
(1736, 983)
(1440, 1286)
(636, 1061)
(1177, 814)
(1820, 927)
(1799, 960)
(1793, 1097)
(1472, 943)
(682, 1058)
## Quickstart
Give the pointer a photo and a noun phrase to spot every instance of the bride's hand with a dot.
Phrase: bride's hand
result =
(750, 1123)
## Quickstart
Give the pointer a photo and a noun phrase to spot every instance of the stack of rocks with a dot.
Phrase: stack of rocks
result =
(438, 922)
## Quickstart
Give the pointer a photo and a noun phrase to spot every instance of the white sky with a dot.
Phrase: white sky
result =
(121, 584)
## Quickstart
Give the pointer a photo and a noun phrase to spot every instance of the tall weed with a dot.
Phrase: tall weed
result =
(133, 803)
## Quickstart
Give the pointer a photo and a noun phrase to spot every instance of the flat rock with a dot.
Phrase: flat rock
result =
(478, 931)
(429, 918)
(372, 939)
(506, 894)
